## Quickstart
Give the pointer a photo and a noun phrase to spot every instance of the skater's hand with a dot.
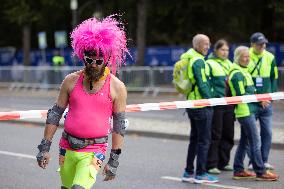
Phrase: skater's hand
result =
(43, 159)
(108, 173)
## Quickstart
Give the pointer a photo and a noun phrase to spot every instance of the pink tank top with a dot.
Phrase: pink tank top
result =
(89, 114)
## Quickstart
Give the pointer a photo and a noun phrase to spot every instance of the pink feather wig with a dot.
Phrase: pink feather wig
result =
(105, 36)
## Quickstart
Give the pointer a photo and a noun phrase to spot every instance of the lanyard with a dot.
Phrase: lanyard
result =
(257, 66)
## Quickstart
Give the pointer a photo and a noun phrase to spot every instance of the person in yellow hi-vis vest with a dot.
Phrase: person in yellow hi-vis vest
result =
(57, 62)
(264, 73)
(222, 139)
(241, 83)
(201, 117)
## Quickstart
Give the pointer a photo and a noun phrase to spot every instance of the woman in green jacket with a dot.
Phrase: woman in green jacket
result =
(241, 83)
(222, 133)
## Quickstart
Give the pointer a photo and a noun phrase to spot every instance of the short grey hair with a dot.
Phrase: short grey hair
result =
(197, 39)
(238, 53)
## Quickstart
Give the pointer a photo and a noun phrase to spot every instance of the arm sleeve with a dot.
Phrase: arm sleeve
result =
(198, 69)
(274, 76)
(238, 84)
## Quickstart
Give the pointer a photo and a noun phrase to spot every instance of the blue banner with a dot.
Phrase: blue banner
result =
(154, 56)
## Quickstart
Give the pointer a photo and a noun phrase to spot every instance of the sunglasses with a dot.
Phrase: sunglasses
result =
(89, 60)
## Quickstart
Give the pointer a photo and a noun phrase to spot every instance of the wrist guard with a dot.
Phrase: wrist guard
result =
(43, 147)
(112, 164)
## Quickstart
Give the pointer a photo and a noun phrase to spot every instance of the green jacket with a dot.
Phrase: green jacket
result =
(198, 73)
(241, 83)
(219, 70)
(264, 71)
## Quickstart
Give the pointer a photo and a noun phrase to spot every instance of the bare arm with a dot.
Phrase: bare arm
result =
(119, 95)
(52, 121)
(119, 105)
(62, 101)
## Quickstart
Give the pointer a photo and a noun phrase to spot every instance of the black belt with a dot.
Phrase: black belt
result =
(86, 141)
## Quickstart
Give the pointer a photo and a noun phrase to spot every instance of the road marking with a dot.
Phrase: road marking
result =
(207, 184)
(226, 186)
(17, 154)
(171, 178)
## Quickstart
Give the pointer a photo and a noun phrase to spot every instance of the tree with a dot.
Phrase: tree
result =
(152, 22)
(25, 14)
(20, 13)
(141, 31)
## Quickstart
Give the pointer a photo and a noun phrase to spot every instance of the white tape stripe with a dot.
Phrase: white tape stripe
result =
(149, 106)
(248, 98)
(17, 155)
(277, 96)
(30, 114)
(184, 104)
(217, 101)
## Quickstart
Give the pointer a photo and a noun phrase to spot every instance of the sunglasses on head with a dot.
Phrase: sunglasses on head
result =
(89, 60)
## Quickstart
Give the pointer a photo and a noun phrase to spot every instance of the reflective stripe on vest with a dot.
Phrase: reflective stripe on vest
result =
(241, 110)
(194, 94)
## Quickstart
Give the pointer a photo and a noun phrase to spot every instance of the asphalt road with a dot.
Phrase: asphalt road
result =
(146, 163)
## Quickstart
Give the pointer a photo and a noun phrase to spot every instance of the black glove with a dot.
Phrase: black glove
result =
(113, 163)
(43, 155)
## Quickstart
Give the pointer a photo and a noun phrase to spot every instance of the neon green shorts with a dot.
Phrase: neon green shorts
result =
(79, 168)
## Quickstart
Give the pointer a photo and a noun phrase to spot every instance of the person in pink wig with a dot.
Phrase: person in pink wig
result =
(96, 98)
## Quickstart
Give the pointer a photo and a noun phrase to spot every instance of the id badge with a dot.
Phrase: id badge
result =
(259, 82)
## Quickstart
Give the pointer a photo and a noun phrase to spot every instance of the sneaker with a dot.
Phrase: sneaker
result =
(186, 177)
(228, 168)
(250, 167)
(214, 171)
(268, 176)
(244, 175)
(205, 178)
(268, 166)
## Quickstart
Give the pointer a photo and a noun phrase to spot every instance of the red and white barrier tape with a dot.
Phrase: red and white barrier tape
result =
(14, 115)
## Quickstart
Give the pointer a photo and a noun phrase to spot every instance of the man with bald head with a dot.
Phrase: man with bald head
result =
(201, 117)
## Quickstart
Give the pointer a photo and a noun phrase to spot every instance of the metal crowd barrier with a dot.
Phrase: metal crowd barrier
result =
(149, 80)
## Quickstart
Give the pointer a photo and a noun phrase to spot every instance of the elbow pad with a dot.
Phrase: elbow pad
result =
(120, 123)
(54, 115)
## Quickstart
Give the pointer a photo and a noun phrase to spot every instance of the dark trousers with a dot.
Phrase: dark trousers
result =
(199, 139)
(222, 137)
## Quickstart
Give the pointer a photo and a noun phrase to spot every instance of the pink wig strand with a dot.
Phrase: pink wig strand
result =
(106, 36)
